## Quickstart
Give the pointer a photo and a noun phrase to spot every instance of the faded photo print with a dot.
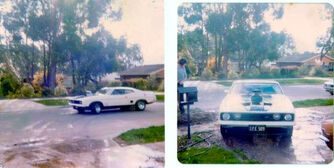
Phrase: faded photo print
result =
(81, 83)
(255, 83)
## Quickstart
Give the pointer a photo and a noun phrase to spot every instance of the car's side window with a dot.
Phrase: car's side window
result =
(127, 91)
(118, 92)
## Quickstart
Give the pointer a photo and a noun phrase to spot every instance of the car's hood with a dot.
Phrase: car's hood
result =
(237, 103)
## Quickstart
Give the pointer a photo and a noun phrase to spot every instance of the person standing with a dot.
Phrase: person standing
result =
(181, 78)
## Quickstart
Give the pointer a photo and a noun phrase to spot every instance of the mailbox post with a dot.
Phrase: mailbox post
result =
(189, 97)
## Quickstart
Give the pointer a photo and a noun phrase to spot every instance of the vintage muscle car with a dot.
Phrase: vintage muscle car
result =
(113, 97)
(257, 107)
(329, 87)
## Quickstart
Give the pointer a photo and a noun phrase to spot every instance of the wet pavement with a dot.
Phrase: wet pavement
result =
(59, 137)
(306, 146)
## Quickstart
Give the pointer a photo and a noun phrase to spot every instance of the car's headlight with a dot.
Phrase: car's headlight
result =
(237, 116)
(276, 116)
(226, 116)
(288, 117)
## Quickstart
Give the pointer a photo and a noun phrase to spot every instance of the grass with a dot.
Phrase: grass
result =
(160, 97)
(53, 102)
(313, 102)
(300, 81)
(212, 155)
(144, 135)
(297, 81)
(225, 83)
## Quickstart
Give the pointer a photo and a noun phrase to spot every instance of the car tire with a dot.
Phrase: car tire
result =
(81, 111)
(96, 108)
(285, 140)
(140, 105)
(331, 93)
(226, 137)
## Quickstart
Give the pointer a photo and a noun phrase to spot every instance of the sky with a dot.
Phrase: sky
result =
(142, 23)
(304, 22)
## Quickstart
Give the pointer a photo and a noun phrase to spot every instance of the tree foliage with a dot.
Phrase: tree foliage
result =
(61, 36)
(230, 32)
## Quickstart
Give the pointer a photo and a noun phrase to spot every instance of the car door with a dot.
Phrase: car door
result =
(118, 98)
(129, 96)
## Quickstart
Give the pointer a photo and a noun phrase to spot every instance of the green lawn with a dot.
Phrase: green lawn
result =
(225, 83)
(160, 97)
(313, 102)
(144, 135)
(300, 81)
(296, 81)
(53, 102)
(213, 155)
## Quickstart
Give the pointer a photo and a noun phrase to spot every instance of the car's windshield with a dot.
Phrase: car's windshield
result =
(246, 88)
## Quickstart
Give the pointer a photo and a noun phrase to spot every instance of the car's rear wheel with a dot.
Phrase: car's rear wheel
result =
(331, 93)
(140, 105)
(96, 108)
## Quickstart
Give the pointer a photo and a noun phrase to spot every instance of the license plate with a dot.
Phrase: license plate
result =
(257, 128)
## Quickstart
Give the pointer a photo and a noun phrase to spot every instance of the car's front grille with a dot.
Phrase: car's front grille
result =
(256, 117)
(75, 101)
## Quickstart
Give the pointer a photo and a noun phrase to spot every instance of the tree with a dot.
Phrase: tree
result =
(52, 36)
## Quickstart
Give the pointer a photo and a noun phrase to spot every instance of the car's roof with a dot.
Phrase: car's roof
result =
(119, 87)
(255, 81)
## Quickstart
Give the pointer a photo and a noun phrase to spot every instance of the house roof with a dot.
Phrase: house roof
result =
(143, 70)
(299, 57)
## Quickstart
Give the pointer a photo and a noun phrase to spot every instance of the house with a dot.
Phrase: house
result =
(306, 58)
(143, 72)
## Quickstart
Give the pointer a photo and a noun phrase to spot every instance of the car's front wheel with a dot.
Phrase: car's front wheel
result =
(96, 108)
(140, 105)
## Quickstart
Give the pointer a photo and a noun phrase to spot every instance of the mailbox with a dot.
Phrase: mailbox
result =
(189, 94)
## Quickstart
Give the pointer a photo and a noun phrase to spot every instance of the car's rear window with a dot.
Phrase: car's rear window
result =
(246, 88)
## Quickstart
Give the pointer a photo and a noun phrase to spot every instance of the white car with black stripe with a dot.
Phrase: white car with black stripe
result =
(113, 97)
(256, 107)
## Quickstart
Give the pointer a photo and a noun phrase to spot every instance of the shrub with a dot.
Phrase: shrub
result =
(8, 84)
(322, 73)
(290, 73)
(232, 75)
(141, 84)
(252, 73)
(60, 90)
(37, 83)
(207, 74)
(305, 70)
(115, 83)
(152, 83)
(46, 92)
(27, 91)
(221, 76)
(78, 90)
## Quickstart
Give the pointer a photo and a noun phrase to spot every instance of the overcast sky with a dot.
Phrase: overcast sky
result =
(306, 23)
(142, 23)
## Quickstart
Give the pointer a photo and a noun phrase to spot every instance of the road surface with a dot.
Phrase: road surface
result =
(306, 146)
(35, 137)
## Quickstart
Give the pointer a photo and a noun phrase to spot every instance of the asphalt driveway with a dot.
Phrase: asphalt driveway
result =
(31, 137)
